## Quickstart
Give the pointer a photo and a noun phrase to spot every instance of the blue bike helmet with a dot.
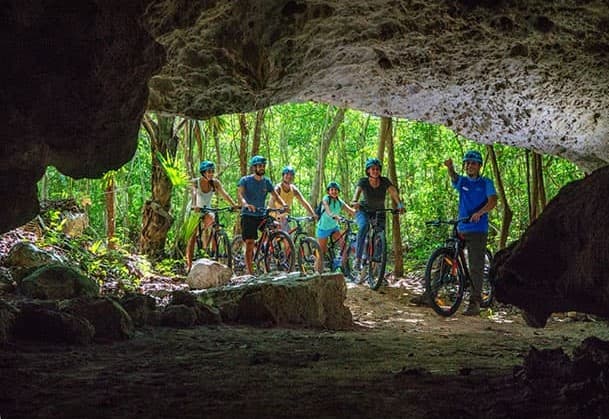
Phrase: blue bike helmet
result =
(473, 155)
(333, 184)
(257, 160)
(288, 169)
(206, 165)
(373, 161)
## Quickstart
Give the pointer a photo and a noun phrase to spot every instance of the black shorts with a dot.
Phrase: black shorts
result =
(249, 226)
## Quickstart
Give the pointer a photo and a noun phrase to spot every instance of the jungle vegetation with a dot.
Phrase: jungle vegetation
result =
(143, 206)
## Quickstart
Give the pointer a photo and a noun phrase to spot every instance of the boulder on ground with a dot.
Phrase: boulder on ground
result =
(25, 257)
(207, 273)
(110, 320)
(179, 315)
(7, 320)
(58, 281)
(316, 301)
(141, 308)
(45, 322)
(206, 312)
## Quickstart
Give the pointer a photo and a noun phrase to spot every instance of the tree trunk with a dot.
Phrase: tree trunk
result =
(386, 132)
(156, 218)
(257, 132)
(539, 182)
(398, 251)
(537, 195)
(199, 139)
(110, 199)
(243, 144)
(323, 152)
(507, 211)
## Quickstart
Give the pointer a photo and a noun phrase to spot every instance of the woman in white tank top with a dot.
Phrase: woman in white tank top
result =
(203, 189)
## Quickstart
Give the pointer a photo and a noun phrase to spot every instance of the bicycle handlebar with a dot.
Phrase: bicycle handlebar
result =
(217, 210)
(307, 219)
(439, 221)
(266, 211)
(391, 210)
(342, 219)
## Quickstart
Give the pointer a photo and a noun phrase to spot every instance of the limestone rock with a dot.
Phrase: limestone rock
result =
(316, 302)
(141, 308)
(109, 319)
(207, 273)
(206, 312)
(6, 280)
(560, 263)
(44, 322)
(7, 320)
(25, 257)
(532, 74)
(58, 281)
(178, 315)
(75, 224)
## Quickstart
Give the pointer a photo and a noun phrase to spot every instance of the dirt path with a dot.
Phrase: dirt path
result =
(401, 361)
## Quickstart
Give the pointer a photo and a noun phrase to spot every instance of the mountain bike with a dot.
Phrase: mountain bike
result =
(274, 249)
(216, 246)
(447, 277)
(307, 248)
(374, 256)
(340, 255)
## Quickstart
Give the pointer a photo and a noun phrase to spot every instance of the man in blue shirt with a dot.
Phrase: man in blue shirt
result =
(252, 191)
(477, 197)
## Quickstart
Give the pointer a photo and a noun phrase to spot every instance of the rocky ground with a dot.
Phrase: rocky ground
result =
(400, 360)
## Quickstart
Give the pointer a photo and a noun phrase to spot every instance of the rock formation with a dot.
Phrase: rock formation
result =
(531, 74)
(559, 263)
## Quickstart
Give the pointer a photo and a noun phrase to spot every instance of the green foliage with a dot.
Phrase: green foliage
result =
(291, 135)
(175, 173)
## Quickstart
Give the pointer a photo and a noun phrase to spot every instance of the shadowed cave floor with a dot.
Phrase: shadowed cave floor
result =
(401, 360)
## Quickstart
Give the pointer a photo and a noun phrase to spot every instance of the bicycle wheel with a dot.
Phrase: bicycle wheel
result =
(222, 252)
(377, 260)
(309, 254)
(238, 255)
(488, 289)
(348, 261)
(280, 252)
(444, 282)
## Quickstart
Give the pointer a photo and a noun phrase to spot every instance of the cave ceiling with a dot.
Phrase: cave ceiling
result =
(526, 73)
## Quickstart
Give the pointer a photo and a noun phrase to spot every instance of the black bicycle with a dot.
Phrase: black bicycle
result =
(274, 249)
(216, 245)
(374, 256)
(340, 255)
(447, 278)
(307, 248)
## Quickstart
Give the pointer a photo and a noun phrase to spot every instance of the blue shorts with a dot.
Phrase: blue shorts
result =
(324, 234)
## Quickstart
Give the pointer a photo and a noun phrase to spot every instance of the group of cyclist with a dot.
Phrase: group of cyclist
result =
(477, 197)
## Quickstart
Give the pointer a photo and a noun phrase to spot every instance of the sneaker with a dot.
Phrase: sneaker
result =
(473, 309)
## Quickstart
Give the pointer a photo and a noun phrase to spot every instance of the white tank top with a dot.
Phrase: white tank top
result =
(202, 199)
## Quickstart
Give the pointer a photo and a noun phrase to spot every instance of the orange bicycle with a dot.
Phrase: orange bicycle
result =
(274, 249)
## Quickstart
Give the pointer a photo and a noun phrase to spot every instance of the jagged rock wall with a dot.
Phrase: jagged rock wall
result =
(75, 89)
(529, 73)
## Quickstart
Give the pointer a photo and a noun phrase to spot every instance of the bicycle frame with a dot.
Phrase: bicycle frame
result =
(298, 231)
(452, 255)
(214, 228)
(374, 254)
(456, 241)
(266, 226)
(341, 242)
